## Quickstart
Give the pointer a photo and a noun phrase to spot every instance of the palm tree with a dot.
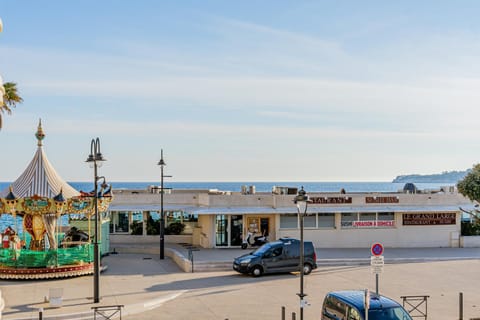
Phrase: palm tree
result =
(10, 99)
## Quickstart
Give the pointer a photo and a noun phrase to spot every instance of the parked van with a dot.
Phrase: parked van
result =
(350, 305)
(278, 256)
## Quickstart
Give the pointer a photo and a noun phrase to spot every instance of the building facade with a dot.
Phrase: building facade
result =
(217, 219)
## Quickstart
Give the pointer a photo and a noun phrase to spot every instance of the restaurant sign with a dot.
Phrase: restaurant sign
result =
(381, 199)
(329, 200)
(428, 219)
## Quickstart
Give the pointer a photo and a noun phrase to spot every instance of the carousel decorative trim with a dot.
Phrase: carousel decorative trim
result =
(46, 273)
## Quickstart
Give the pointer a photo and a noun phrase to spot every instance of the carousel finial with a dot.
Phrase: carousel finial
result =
(40, 135)
(10, 195)
(59, 197)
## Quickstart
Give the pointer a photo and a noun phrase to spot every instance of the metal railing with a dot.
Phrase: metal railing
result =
(416, 306)
(107, 312)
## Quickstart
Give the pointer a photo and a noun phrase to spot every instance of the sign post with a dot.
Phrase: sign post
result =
(377, 262)
(366, 300)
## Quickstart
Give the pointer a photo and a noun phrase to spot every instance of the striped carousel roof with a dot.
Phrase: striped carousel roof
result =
(40, 177)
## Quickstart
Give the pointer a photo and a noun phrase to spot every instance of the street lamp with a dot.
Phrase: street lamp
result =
(162, 164)
(95, 159)
(301, 200)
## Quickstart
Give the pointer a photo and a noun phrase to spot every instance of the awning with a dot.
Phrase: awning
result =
(345, 209)
(149, 207)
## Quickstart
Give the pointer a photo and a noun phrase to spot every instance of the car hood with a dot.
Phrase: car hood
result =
(245, 256)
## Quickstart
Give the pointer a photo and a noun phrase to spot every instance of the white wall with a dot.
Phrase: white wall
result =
(397, 237)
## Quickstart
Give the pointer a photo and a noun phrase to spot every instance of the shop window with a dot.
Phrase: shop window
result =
(310, 221)
(348, 218)
(119, 221)
(386, 216)
(288, 221)
(368, 216)
(153, 223)
(190, 221)
(136, 228)
(326, 220)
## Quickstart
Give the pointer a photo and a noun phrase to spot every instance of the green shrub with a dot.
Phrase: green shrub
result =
(136, 228)
(174, 228)
(470, 229)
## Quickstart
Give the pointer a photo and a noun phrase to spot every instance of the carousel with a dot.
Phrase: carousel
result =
(37, 244)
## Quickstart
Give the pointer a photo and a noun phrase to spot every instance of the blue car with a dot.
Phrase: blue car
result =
(342, 305)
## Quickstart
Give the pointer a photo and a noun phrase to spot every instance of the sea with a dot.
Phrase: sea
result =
(7, 220)
(263, 186)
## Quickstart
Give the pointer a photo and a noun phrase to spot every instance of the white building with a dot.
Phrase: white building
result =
(342, 220)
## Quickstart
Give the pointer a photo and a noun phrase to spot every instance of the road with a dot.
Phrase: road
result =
(228, 295)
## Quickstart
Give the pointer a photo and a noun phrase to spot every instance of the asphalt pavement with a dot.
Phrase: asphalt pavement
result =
(138, 281)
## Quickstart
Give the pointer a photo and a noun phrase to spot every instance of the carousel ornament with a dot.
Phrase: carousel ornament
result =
(11, 203)
(60, 204)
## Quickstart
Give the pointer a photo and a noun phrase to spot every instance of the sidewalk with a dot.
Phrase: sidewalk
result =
(127, 281)
(218, 259)
(137, 279)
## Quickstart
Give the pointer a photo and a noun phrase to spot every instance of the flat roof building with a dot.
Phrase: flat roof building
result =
(214, 218)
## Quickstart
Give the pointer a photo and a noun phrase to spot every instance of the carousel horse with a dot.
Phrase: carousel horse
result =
(74, 237)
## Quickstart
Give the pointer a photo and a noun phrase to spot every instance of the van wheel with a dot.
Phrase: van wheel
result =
(257, 271)
(307, 268)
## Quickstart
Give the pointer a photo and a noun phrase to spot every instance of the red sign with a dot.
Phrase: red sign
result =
(377, 249)
(373, 223)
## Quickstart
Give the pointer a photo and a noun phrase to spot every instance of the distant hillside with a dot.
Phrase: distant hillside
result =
(447, 177)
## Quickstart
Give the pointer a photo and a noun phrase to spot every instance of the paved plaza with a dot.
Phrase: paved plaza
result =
(150, 288)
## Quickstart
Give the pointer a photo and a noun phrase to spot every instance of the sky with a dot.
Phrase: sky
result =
(270, 90)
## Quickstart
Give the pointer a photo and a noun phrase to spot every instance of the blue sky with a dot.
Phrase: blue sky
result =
(243, 90)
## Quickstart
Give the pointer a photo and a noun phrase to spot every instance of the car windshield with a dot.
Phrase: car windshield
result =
(395, 313)
(260, 251)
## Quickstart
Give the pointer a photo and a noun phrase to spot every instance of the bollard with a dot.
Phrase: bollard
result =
(460, 302)
(40, 314)
(190, 257)
(283, 313)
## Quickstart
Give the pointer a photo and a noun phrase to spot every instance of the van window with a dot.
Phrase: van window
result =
(353, 314)
(277, 252)
(334, 307)
(273, 252)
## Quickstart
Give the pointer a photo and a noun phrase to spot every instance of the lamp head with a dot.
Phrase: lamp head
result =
(161, 162)
(301, 200)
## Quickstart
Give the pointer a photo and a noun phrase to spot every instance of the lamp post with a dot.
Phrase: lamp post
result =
(95, 158)
(301, 200)
(162, 164)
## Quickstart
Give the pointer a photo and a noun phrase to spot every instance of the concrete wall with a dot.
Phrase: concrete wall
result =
(470, 241)
(396, 237)
(136, 239)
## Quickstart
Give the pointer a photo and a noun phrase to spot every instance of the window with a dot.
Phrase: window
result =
(288, 221)
(348, 218)
(386, 216)
(353, 314)
(368, 220)
(277, 251)
(334, 307)
(368, 216)
(326, 220)
(310, 221)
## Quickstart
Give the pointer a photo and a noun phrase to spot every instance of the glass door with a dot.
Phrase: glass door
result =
(221, 230)
(236, 227)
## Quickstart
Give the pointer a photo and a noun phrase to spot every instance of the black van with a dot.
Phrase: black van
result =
(278, 256)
